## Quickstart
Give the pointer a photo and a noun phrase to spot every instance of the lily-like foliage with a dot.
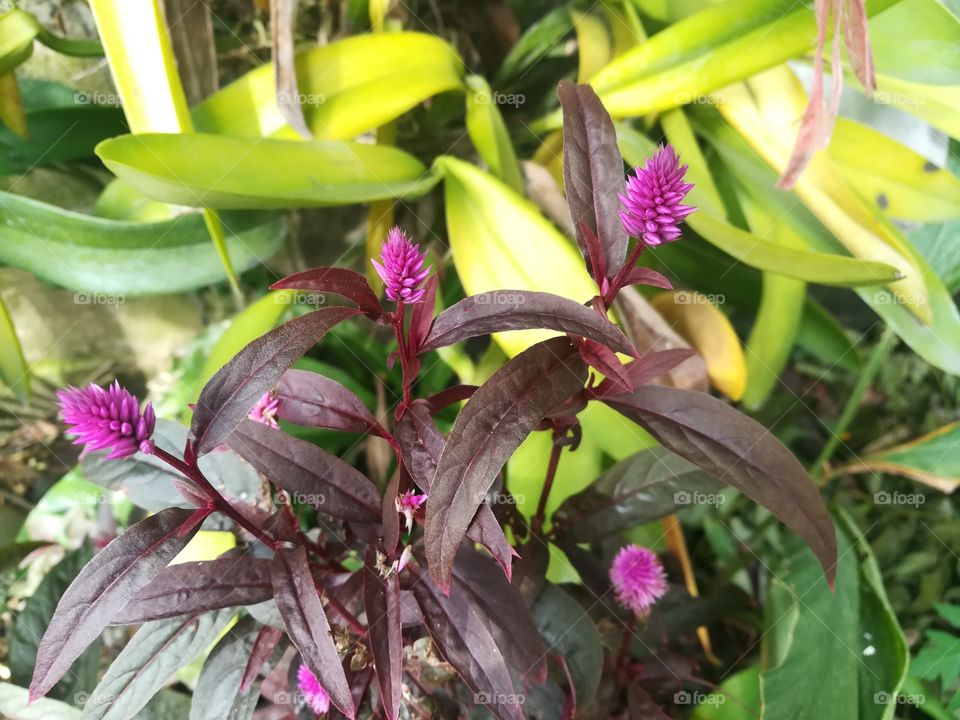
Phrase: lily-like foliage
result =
(411, 591)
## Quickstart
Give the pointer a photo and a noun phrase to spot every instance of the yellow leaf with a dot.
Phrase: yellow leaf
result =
(593, 41)
(206, 545)
(709, 331)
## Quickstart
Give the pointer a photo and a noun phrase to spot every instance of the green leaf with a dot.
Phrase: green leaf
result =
(217, 695)
(940, 245)
(255, 320)
(568, 629)
(737, 698)
(15, 705)
(14, 371)
(823, 337)
(849, 636)
(96, 255)
(11, 555)
(929, 459)
(484, 220)
(17, 31)
(347, 87)
(543, 39)
(489, 133)
(149, 660)
(214, 171)
(32, 621)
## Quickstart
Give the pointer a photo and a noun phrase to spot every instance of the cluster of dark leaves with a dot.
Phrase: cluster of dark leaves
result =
(470, 621)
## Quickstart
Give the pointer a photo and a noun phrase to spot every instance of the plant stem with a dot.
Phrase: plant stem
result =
(538, 518)
(625, 643)
(194, 473)
(402, 350)
(876, 359)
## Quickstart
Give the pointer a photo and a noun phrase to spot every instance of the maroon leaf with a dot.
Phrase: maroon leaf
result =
(310, 399)
(230, 394)
(195, 587)
(444, 398)
(646, 276)
(266, 641)
(606, 361)
(381, 599)
(487, 431)
(338, 281)
(510, 620)
(310, 474)
(104, 586)
(464, 640)
(592, 172)
(644, 369)
(738, 451)
(502, 310)
(422, 316)
(307, 625)
(422, 444)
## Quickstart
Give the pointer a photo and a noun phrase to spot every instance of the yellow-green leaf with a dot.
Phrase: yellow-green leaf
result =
(500, 240)
(17, 31)
(215, 171)
(13, 366)
(347, 87)
(252, 322)
(593, 42)
(12, 113)
(489, 133)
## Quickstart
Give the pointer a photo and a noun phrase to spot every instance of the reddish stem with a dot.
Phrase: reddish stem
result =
(540, 515)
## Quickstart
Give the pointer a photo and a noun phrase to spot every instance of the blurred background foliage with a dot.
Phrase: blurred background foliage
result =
(163, 163)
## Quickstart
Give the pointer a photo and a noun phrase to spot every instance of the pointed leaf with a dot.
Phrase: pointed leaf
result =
(739, 451)
(313, 400)
(490, 427)
(465, 642)
(381, 601)
(503, 310)
(14, 371)
(422, 445)
(105, 586)
(309, 473)
(196, 587)
(228, 397)
(593, 172)
(307, 625)
(646, 368)
(340, 281)
(219, 694)
(148, 661)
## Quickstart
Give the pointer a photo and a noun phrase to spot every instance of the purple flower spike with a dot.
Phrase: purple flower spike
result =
(265, 411)
(312, 691)
(638, 578)
(652, 207)
(401, 268)
(102, 418)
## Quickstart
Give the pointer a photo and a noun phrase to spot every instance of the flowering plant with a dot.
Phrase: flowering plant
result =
(412, 594)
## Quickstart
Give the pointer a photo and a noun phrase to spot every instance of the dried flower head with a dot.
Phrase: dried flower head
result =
(652, 208)
(104, 418)
(407, 503)
(265, 411)
(312, 691)
(638, 578)
(401, 268)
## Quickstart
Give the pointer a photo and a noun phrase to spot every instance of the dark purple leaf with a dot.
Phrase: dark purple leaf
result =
(338, 281)
(195, 587)
(502, 310)
(593, 174)
(104, 586)
(422, 444)
(738, 451)
(643, 487)
(381, 599)
(310, 399)
(646, 276)
(445, 398)
(267, 640)
(602, 358)
(422, 316)
(644, 369)
(307, 625)
(230, 394)
(489, 428)
(310, 474)
(464, 640)
(510, 620)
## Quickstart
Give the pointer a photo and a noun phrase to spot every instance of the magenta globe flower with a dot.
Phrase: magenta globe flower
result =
(108, 418)
(312, 691)
(401, 268)
(652, 203)
(638, 578)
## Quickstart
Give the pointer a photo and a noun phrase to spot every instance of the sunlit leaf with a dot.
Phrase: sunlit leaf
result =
(17, 31)
(489, 133)
(14, 371)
